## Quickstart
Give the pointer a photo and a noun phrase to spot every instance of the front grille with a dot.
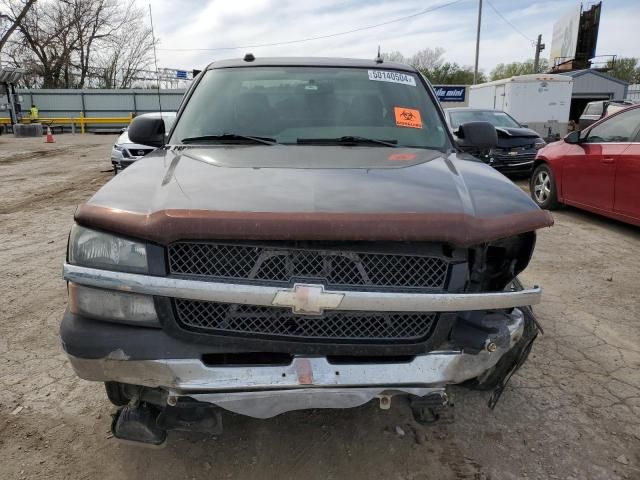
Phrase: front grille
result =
(521, 157)
(139, 152)
(280, 265)
(252, 320)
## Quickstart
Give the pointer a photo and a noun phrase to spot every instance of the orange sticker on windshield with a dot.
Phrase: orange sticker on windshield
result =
(402, 157)
(407, 117)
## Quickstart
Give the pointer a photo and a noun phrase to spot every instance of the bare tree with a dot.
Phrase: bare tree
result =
(47, 32)
(428, 59)
(13, 20)
(128, 54)
(64, 42)
(394, 57)
(431, 63)
(95, 22)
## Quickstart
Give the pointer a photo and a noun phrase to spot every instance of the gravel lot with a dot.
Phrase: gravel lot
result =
(573, 411)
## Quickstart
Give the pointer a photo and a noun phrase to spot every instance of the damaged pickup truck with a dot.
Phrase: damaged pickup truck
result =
(309, 236)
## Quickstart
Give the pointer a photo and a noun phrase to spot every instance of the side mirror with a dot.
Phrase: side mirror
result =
(573, 138)
(147, 131)
(477, 135)
(524, 125)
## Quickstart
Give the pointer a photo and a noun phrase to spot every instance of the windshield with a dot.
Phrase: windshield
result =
(613, 108)
(292, 105)
(497, 119)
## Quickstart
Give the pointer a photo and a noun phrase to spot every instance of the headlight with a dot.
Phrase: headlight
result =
(122, 150)
(123, 307)
(538, 144)
(90, 248)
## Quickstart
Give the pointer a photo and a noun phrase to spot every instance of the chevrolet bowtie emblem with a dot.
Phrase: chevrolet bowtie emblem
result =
(307, 299)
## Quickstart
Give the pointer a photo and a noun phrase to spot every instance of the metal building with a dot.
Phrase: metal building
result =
(590, 85)
(633, 93)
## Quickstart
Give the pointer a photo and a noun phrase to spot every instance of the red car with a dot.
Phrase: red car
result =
(596, 169)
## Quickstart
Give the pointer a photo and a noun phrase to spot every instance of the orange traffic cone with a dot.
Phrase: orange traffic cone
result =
(50, 138)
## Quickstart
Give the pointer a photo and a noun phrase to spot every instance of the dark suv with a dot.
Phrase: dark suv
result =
(517, 146)
(309, 236)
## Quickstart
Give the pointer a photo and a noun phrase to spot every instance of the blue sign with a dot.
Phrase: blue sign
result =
(181, 74)
(447, 93)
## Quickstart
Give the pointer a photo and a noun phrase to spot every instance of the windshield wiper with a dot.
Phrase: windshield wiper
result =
(229, 136)
(347, 140)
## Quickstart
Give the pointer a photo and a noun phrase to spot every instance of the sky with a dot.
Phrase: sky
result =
(222, 24)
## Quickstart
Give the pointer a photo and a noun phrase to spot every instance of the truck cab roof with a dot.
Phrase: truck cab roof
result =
(308, 62)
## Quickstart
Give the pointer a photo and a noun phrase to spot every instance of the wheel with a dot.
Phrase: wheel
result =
(116, 394)
(543, 187)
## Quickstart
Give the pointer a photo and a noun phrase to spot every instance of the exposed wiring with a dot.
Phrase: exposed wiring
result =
(321, 37)
(510, 24)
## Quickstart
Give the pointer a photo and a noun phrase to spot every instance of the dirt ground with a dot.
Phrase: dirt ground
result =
(573, 411)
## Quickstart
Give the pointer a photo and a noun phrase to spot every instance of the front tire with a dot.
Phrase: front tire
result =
(542, 185)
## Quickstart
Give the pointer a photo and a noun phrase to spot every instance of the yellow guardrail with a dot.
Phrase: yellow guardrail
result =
(80, 120)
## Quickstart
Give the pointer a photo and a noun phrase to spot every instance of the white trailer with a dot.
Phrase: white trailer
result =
(541, 101)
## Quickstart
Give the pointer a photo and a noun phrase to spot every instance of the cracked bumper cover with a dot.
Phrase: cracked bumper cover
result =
(307, 382)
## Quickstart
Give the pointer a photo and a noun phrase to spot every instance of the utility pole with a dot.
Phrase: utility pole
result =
(475, 70)
(539, 48)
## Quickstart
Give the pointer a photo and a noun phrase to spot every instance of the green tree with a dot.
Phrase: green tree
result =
(432, 65)
(450, 73)
(506, 70)
(626, 69)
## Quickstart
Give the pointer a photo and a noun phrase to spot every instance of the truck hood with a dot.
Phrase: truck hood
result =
(311, 193)
(508, 132)
(123, 138)
(510, 137)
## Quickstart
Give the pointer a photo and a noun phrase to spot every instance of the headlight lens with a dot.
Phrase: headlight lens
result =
(113, 306)
(539, 144)
(90, 248)
(117, 147)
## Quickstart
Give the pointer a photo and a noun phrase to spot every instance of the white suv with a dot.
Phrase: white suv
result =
(124, 152)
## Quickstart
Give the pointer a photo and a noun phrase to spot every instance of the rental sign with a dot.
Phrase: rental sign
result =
(448, 93)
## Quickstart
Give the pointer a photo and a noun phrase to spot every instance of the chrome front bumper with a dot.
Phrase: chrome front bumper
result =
(308, 382)
(120, 162)
(268, 295)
